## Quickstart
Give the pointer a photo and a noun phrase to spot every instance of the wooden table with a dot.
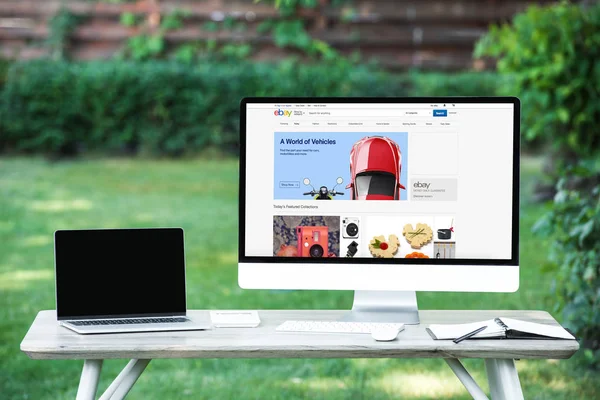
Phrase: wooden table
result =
(47, 340)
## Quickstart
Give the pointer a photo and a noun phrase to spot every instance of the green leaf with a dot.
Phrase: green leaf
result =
(171, 22)
(185, 53)
(265, 26)
(155, 44)
(210, 26)
(229, 22)
(128, 19)
(543, 226)
(211, 44)
(585, 230)
(308, 3)
(563, 114)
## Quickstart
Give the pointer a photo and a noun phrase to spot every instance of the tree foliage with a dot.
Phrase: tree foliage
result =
(552, 56)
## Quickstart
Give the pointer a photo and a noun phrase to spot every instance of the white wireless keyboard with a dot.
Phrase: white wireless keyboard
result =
(336, 326)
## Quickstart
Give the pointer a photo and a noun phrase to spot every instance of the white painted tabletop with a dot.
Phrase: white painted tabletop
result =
(47, 340)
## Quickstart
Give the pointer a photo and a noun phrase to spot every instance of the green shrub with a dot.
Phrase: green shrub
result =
(457, 84)
(552, 55)
(4, 65)
(574, 224)
(168, 108)
(158, 107)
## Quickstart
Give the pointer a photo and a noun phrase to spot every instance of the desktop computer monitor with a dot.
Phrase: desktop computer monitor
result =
(383, 196)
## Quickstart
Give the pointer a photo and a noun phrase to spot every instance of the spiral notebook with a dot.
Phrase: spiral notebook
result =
(500, 328)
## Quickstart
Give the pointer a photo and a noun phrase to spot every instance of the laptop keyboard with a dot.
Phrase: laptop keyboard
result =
(129, 321)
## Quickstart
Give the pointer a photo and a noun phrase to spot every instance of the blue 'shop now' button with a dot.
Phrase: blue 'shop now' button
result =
(289, 184)
(440, 113)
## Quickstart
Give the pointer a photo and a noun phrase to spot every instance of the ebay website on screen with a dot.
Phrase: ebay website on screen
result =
(379, 180)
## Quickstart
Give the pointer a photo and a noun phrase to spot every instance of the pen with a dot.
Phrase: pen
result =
(468, 335)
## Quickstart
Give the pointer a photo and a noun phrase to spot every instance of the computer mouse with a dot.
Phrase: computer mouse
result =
(385, 335)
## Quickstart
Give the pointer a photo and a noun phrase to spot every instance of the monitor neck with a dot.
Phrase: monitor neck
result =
(384, 306)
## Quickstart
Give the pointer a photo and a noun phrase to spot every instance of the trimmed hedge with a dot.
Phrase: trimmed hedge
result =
(168, 108)
(462, 84)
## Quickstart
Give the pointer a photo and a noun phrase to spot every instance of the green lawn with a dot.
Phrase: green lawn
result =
(38, 197)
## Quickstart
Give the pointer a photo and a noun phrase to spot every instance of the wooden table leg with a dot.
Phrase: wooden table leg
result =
(466, 379)
(123, 383)
(88, 383)
(503, 379)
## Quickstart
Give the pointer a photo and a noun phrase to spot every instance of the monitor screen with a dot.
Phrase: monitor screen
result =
(120, 272)
(430, 181)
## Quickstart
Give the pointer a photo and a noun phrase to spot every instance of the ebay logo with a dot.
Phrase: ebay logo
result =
(282, 113)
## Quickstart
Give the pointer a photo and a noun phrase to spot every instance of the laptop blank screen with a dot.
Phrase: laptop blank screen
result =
(119, 272)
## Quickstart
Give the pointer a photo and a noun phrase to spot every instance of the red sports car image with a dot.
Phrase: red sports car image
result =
(375, 166)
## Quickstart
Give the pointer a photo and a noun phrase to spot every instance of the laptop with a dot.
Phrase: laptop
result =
(122, 280)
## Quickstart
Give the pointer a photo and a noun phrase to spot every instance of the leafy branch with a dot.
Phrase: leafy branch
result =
(289, 30)
(62, 24)
(150, 43)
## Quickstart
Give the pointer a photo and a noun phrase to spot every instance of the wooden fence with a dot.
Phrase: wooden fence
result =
(429, 34)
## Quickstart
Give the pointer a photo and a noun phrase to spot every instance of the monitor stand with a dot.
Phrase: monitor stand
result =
(384, 306)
